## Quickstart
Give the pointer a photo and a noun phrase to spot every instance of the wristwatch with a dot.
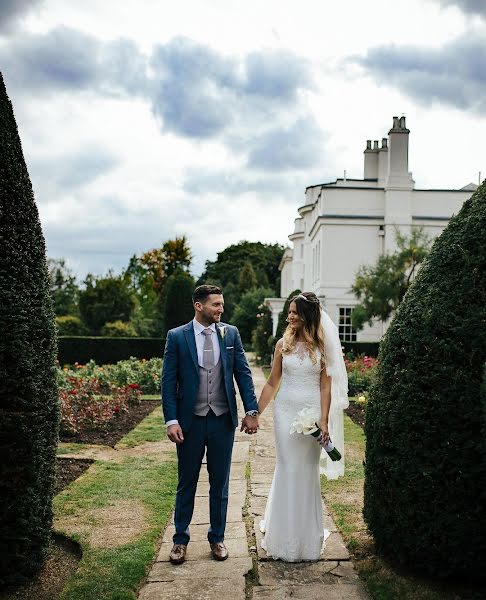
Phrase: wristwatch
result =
(252, 413)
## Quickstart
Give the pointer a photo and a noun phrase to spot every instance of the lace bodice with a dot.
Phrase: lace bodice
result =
(300, 385)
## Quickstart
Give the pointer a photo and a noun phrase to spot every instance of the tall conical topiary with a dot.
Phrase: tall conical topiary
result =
(178, 304)
(425, 489)
(29, 411)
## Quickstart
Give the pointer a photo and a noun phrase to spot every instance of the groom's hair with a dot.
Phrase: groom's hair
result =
(202, 292)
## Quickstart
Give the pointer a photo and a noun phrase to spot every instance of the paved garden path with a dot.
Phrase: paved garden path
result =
(248, 573)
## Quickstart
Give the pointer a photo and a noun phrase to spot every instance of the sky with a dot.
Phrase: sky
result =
(143, 120)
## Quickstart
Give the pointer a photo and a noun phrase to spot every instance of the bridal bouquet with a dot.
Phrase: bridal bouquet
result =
(306, 422)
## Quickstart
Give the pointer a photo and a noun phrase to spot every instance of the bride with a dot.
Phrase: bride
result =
(309, 365)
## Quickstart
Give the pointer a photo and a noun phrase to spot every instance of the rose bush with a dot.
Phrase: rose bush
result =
(361, 371)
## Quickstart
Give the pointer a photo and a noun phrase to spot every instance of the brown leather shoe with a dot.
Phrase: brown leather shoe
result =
(219, 550)
(178, 554)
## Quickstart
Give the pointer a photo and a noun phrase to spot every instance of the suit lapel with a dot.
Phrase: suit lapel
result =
(222, 348)
(191, 342)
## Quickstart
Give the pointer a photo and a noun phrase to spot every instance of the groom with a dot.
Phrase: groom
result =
(199, 404)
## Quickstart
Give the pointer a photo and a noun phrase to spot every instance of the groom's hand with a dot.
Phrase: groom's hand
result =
(174, 433)
(249, 424)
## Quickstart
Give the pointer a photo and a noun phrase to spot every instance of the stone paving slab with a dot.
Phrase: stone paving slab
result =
(201, 514)
(258, 477)
(345, 591)
(165, 571)
(199, 588)
(237, 548)
(260, 490)
(275, 572)
(200, 532)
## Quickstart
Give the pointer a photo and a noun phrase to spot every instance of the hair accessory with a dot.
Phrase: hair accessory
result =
(303, 297)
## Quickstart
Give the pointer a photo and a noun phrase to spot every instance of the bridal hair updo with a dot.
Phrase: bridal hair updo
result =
(309, 310)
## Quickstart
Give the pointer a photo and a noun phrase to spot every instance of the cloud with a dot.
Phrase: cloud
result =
(72, 170)
(453, 74)
(65, 59)
(294, 147)
(13, 10)
(201, 93)
(474, 7)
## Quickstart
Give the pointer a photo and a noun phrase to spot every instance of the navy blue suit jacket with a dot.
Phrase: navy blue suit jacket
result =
(180, 374)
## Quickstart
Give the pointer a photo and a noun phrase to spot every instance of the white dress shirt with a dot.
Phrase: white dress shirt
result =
(199, 337)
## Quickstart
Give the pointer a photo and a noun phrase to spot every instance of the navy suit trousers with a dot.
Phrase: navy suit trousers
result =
(216, 435)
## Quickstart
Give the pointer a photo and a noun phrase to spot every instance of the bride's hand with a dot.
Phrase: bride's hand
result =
(324, 437)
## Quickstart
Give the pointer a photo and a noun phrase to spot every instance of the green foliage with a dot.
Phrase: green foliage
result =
(63, 287)
(245, 315)
(70, 325)
(247, 280)
(105, 299)
(361, 372)
(381, 287)
(178, 304)
(118, 329)
(265, 259)
(107, 350)
(262, 339)
(282, 318)
(29, 408)
(425, 489)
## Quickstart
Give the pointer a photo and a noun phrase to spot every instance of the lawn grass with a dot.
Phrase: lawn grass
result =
(151, 429)
(150, 397)
(344, 498)
(138, 492)
(70, 448)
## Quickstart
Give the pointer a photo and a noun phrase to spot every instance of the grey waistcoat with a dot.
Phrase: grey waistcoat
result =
(211, 392)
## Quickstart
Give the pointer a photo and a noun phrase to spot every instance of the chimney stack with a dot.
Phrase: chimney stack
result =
(398, 176)
(371, 160)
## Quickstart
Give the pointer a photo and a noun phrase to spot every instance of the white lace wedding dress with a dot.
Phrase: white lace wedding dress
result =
(293, 522)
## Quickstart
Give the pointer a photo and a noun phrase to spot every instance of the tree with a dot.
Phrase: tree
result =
(105, 299)
(118, 329)
(247, 280)
(381, 287)
(246, 311)
(229, 263)
(263, 340)
(63, 287)
(282, 318)
(29, 409)
(178, 305)
(177, 255)
(425, 486)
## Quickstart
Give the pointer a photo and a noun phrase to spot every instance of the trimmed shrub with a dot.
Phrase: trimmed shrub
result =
(70, 325)
(246, 311)
(178, 304)
(356, 349)
(425, 490)
(80, 349)
(118, 329)
(29, 406)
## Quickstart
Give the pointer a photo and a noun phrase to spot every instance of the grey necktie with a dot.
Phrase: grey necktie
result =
(208, 351)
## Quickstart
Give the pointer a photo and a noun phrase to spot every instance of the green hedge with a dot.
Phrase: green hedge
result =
(425, 487)
(29, 409)
(360, 348)
(105, 350)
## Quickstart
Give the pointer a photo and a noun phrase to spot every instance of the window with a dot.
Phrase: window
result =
(346, 331)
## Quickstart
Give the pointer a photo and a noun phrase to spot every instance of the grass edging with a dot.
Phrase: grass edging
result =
(135, 497)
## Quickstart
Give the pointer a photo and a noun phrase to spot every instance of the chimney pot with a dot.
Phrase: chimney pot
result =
(375, 145)
(402, 123)
(368, 144)
(396, 123)
(384, 142)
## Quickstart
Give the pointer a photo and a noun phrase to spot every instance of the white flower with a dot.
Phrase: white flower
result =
(222, 331)
(306, 421)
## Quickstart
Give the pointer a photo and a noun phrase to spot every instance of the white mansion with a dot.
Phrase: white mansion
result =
(350, 222)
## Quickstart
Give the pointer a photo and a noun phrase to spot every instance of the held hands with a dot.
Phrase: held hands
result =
(249, 424)
(174, 433)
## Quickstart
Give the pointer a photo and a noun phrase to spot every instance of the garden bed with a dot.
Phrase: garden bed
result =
(357, 413)
(119, 426)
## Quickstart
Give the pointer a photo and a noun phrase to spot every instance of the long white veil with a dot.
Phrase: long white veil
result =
(336, 370)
